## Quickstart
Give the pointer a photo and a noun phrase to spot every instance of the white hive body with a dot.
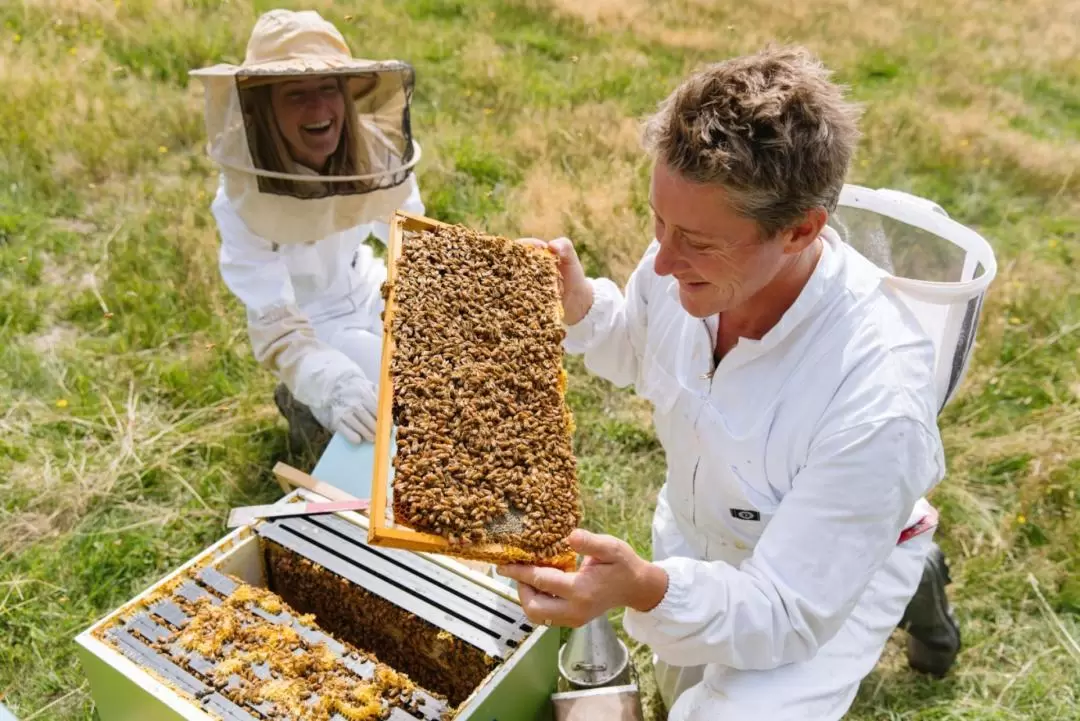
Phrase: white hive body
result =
(458, 636)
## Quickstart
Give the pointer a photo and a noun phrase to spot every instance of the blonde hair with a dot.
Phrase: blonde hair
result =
(270, 151)
(770, 128)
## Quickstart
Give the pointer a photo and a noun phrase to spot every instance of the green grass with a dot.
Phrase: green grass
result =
(132, 415)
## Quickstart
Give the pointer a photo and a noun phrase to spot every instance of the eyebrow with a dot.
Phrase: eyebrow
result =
(288, 85)
(684, 231)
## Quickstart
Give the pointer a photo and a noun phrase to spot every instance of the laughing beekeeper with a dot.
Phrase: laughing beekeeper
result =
(796, 396)
(316, 154)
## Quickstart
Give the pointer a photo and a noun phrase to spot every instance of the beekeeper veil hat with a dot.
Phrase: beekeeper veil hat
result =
(940, 269)
(363, 181)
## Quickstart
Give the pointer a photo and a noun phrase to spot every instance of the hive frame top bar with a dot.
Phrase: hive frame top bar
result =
(479, 616)
(188, 670)
(448, 563)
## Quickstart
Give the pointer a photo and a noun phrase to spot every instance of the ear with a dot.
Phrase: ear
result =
(806, 231)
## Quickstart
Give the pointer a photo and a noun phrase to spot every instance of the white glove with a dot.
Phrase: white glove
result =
(353, 403)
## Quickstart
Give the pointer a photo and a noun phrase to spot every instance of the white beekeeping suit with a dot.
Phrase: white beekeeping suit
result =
(793, 524)
(293, 238)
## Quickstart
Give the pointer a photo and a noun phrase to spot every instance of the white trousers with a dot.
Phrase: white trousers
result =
(820, 689)
(354, 336)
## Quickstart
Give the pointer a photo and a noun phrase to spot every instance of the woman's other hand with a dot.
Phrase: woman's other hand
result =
(352, 408)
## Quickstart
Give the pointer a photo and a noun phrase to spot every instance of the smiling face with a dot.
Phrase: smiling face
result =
(310, 114)
(718, 256)
(751, 155)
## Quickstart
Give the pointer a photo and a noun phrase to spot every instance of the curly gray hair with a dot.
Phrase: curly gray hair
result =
(770, 128)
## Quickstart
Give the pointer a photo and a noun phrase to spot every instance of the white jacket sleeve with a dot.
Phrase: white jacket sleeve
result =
(830, 534)
(612, 334)
(282, 338)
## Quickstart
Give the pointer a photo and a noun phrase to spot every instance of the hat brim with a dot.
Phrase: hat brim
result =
(249, 76)
(359, 84)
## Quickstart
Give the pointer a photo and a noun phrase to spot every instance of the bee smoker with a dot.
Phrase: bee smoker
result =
(594, 656)
(596, 665)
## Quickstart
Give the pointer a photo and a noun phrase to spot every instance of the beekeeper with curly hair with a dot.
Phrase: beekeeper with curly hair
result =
(316, 153)
(797, 338)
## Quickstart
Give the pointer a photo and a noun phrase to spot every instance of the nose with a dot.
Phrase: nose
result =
(317, 103)
(314, 101)
(666, 259)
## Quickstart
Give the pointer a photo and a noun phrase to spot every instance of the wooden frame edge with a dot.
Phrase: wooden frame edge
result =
(289, 478)
(379, 534)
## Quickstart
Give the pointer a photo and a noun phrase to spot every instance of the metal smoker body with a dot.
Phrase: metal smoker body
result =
(595, 663)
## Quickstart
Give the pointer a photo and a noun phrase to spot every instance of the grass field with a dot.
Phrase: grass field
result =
(132, 415)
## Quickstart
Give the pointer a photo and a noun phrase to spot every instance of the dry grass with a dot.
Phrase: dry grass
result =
(1010, 32)
(124, 444)
(593, 206)
(584, 183)
(132, 415)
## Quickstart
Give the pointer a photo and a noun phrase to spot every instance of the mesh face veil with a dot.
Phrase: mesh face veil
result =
(310, 140)
(939, 268)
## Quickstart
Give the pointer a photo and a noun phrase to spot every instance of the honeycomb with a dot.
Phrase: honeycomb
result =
(434, 659)
(257, 663)
(484, 453)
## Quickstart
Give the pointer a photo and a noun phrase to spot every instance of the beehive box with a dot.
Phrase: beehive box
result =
(473, 447)
(394, 634)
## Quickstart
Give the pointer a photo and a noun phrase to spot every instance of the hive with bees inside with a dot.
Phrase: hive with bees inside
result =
(300, 619)
(474, 454)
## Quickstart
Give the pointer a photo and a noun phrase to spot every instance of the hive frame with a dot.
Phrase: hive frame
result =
(379, 532)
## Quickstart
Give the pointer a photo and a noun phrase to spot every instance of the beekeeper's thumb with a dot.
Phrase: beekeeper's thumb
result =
(607, 549)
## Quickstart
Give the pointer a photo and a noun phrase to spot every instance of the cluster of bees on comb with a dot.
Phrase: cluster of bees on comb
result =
(433, 659)
(484, 450)
(270, 661)
(296, 672)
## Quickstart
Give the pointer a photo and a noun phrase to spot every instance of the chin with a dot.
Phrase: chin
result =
(700, 313)
(700, 305)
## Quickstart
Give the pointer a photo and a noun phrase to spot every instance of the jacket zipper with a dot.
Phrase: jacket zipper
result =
(713, 365)
(693, 494)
